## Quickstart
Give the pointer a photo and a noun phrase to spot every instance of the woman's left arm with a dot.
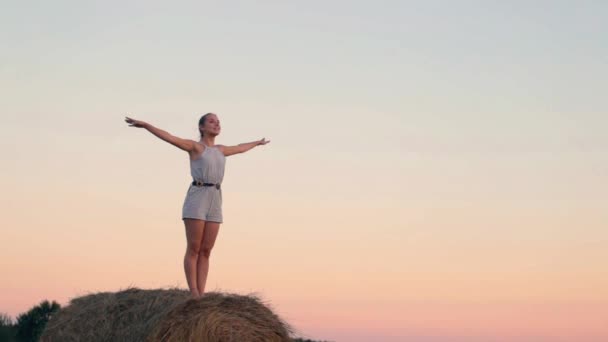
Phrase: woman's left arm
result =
(241, 148)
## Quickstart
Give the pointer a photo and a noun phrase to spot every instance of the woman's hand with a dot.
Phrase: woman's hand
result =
(134, 123)
(263, 141)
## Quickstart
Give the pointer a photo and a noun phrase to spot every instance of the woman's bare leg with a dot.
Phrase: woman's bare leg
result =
(194, 235)
(209, 236)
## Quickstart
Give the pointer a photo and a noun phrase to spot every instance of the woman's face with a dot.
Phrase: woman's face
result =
(212, 125)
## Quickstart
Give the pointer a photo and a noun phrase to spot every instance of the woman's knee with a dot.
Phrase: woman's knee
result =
(193, 249)
(206, 251)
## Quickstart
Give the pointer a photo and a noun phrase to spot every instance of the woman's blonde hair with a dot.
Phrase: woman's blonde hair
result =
(201, 122)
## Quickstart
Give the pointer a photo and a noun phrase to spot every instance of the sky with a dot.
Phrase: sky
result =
(437, 169)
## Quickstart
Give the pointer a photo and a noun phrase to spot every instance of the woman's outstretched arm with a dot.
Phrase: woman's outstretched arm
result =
(241, 148)
(184, 144)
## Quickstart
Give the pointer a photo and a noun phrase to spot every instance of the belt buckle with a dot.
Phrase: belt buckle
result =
(217, 186)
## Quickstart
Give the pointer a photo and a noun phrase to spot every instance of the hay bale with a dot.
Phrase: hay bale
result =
(165, 315)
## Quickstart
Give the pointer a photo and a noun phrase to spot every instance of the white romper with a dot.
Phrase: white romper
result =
(205, 202)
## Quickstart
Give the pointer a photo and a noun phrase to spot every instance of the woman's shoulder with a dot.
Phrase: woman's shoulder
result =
(198, 145)
(197, 149)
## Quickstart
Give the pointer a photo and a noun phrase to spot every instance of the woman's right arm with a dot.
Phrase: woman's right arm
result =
(184, 144)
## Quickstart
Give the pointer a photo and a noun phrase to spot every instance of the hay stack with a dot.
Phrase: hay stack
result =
(165, 315)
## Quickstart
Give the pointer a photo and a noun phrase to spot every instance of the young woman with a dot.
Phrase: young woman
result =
(202, 209)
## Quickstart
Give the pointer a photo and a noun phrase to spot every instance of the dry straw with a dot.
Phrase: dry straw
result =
(167, 315)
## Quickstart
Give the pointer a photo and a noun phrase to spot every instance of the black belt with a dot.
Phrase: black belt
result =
(197, 183)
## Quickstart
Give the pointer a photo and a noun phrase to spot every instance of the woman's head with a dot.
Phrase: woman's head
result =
(209, 125)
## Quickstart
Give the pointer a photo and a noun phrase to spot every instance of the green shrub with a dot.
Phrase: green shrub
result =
(30, 325)
(7, 328)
